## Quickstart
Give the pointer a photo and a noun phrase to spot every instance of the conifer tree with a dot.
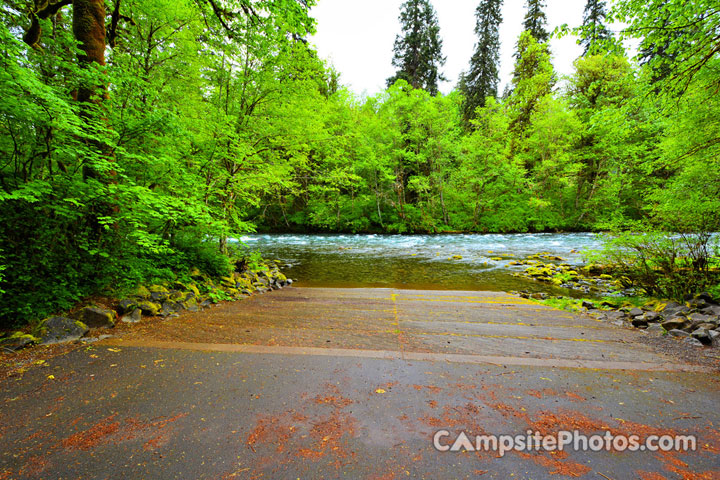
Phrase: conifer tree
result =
(536, 20)
(595, 36)
(481, 81)
(535, 24)
(418, 50)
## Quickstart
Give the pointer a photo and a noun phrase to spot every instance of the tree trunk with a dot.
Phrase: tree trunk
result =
(89, 30)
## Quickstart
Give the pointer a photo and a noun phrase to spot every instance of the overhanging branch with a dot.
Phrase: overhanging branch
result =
(44, 10)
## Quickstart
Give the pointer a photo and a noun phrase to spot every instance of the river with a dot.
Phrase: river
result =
(419, 261)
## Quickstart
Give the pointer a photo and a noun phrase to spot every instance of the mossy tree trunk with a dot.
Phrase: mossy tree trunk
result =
(89, 30)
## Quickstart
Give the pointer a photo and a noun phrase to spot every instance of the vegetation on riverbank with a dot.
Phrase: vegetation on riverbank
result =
(137, 137)
(192, 292)
(696, 321)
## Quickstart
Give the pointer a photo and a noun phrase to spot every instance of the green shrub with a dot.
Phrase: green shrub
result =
(663, 264)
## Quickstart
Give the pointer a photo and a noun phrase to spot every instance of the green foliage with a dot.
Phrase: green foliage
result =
(564, 303)
(663, 264)
(218, 296)
(679, 40)
(136, 185)
(533, 79)
(250, 259)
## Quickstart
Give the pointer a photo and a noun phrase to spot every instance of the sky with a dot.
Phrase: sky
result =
(357, 37)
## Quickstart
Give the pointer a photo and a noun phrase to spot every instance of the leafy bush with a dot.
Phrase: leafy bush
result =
(194, 250)
(664, 264)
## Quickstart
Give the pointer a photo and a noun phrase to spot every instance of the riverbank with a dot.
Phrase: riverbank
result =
(96, 318)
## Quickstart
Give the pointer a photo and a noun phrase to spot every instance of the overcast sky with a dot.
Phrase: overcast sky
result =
(357, 37)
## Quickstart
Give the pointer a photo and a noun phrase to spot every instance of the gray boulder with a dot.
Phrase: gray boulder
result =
(656, 328)
(171, 307)
(713, 310)
(95, 317)
(149, 308)
(692, 342)
(17, 341)
(651, 317)
(674, 323)
(675, 311)
(126, 306)
(699, 318)
(714, 338)
(61, 330)
(133, 317)
(706, 297)
(639, 322)
(698, 303)
(703, 335)
(635, 312)
(678, 333)
(671, 306)
(615, 315)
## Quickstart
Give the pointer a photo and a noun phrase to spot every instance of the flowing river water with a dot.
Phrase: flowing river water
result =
(419, 261)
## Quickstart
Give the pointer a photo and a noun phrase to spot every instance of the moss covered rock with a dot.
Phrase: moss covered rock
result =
(61, 330)
(17, 341)
(158, 293)
(190, 304)
(95, 317)
(194, 289)
(126, 306)
(142, 292)
(150, 308)
(133, 317)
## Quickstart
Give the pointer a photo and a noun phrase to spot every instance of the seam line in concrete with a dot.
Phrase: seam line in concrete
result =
(406, 356)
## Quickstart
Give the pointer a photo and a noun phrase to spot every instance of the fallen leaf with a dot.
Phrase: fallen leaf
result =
(379, 390)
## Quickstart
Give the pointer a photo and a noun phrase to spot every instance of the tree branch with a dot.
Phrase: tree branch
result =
(32, 36)
(221, 14)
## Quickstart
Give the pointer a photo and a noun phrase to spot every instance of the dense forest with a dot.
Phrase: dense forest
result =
(138, 137)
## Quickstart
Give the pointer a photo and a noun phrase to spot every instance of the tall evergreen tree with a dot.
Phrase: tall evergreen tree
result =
(481, 81)
(536, 20)
(418, 50)
(595, 36)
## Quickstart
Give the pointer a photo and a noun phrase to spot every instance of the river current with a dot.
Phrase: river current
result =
(452, 261)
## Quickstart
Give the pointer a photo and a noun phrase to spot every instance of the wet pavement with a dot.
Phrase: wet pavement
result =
(323, 383)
